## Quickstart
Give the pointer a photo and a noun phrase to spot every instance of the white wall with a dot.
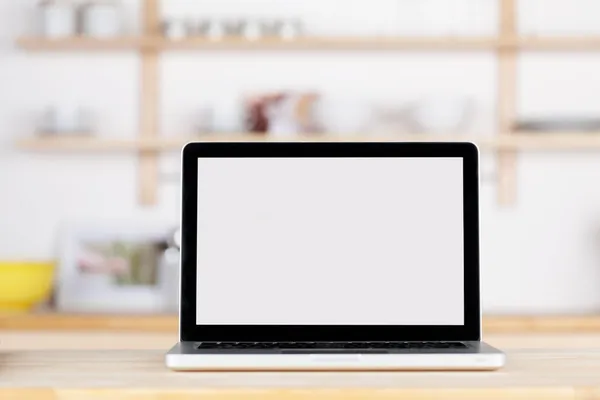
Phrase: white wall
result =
(542, 255)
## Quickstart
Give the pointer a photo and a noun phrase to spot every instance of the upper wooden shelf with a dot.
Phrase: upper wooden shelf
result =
(312, 43)
(159, 43)
(82, 44)
(333, 43)
(521, 141)
(555, 43)
(169, 323)
(382, 43)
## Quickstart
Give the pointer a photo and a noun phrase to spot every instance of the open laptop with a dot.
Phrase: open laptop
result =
(330, 256)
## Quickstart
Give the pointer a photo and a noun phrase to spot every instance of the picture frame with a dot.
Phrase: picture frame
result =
(118, 267)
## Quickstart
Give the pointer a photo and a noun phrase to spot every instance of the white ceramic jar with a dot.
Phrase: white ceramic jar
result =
(66, 119)
(101, 20)
(58, 19)
(253, 30)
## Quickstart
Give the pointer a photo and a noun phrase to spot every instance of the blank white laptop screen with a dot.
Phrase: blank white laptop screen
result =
(330, 241)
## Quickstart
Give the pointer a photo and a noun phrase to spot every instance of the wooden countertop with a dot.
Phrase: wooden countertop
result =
(168, 323)
(529, 374)
(86, 322)
(102, 340)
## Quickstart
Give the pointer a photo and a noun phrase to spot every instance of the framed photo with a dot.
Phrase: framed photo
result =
(118, 268)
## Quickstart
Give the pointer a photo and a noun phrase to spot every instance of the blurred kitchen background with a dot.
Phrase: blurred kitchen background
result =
(97, 97)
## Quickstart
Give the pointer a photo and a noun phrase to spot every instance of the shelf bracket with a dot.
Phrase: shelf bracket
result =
(506, 104)
(149, 107)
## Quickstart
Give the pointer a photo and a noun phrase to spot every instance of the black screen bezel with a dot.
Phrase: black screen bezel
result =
(190, 331)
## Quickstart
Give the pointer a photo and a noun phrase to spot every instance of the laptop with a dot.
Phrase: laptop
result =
(330, 256)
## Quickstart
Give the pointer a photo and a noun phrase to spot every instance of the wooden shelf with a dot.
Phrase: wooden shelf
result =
(383, 43)
(522, 141)
(176, 143)
(95, 144)
(83, 44)
(554, 43)
(75, 322)
(553, 140)
(313, 43)
(169, 323)
(33, 43)
(333, 43)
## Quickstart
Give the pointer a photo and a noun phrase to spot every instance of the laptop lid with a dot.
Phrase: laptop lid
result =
(330, 242)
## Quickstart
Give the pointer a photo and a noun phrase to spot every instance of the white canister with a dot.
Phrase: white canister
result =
(58, 19)
(66, 120)
(253, 30)
(101, 20)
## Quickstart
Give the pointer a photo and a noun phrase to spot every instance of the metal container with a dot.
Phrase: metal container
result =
(176, 29)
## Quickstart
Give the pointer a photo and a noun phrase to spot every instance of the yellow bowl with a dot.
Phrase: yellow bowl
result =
(24, 284)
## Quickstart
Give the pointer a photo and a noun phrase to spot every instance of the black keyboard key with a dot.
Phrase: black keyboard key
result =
(330, 345)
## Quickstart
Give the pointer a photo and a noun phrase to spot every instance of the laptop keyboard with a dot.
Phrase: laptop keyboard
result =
(328, 345)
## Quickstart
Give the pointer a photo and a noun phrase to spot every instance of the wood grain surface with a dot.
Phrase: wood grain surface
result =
(100, 340)
(529, 374)
(168, 323)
